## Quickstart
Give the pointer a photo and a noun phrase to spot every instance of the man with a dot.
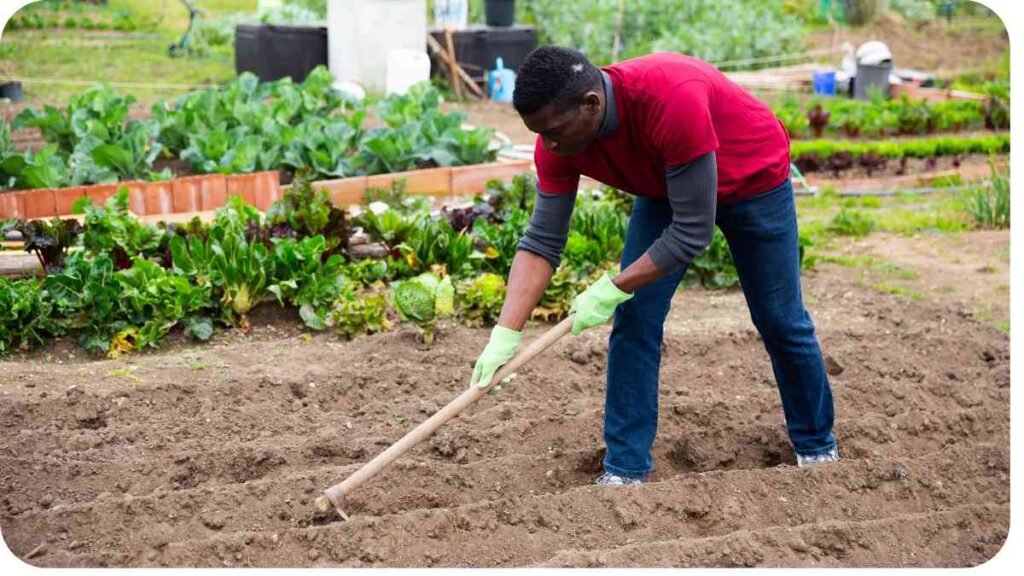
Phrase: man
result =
(697, 151)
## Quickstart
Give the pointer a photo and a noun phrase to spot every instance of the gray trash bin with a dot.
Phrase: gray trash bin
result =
(871, 76)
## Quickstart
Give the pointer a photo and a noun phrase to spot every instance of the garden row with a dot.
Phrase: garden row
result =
(836, 155)
(245, 126)
(117, 284)
(65, 14)
(879, 118)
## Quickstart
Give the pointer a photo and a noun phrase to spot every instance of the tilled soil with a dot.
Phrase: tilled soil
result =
(213, 455)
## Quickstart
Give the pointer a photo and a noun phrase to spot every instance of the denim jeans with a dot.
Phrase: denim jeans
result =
(762, 236)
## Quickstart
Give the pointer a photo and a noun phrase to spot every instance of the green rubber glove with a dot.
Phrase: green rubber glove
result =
(499, 350)
(595, 305)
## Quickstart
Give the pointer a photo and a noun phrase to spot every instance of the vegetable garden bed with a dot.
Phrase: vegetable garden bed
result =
(245, 127)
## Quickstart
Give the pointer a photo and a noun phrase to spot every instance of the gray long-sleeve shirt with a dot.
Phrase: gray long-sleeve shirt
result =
(692, 197)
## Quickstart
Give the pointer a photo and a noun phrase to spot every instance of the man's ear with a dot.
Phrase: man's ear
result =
(591, 102)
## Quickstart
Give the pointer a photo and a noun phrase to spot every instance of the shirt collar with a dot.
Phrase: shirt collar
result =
(610, 122)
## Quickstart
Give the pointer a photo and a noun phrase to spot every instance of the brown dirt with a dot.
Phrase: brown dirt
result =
(970, 272)
(931, 47)
(213, 455)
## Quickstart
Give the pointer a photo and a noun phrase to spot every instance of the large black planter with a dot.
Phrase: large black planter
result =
(274, 51)
(499, 12)
(478, 47)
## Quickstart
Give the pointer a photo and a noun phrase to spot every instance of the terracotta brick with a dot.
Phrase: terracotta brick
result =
(136, 196)
(431, 181)
(187, 194)
(267, 189)
(65, 198)
(214, 190)
(99, 193)
(12, 205)
(157, 197)
(39, 203)
(472, 180)
(243, 185)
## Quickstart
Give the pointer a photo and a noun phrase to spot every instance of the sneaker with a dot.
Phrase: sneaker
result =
(830, 456)
(609, 479)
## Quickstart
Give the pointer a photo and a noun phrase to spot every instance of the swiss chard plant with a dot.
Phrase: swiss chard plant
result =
(50, 240)
(111, 230)
(239, 271)
(306, 211)
(303, 279)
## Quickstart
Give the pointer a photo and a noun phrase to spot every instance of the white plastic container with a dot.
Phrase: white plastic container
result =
(405, 68)
(453, 14)
(362, 33)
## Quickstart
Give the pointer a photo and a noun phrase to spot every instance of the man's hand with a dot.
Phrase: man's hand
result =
(499, 350)
(595, 305)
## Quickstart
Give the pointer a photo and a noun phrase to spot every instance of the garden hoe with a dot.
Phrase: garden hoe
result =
(332, 497)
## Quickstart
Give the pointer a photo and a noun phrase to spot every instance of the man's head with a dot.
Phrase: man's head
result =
(559, 95)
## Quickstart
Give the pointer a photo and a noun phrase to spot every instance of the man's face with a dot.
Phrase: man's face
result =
(567, 132)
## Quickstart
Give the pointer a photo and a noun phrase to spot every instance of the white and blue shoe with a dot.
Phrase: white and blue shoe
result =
(609, 479)
(830, 456)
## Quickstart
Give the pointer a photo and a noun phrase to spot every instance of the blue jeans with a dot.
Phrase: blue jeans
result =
(763, 239)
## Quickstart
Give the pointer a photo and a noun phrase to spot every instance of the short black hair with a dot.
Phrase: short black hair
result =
(553, 75)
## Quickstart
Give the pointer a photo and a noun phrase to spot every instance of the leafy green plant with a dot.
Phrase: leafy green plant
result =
(366, 272)
(989, 205)
(356, 313)
(305, 211)
(714, 267)
(50, 241)
(433, 242)
(111, 230)
(481, 299)
(239, 271)
(422, 300)
(303, 279)
(119, 311)
(851, 223)
(25, 315)
(500, 243)
(11, 162)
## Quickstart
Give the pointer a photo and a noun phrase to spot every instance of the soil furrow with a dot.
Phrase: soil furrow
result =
(963, 536)
(696, 504)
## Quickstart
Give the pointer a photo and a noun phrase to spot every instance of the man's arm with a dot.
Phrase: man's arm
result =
(692, 194)
(538, 257)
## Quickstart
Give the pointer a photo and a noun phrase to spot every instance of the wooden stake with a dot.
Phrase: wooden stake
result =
(453, 64)
(440, 52)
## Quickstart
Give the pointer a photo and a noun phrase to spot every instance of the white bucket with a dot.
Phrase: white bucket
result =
(405, 68)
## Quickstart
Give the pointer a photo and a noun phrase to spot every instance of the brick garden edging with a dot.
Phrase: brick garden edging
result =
(260, 189)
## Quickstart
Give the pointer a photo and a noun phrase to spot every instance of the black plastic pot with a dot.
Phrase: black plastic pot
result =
(273, 51)
(500, 12)
(11, 90)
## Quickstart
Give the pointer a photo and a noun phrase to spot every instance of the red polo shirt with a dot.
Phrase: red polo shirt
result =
(671, 110)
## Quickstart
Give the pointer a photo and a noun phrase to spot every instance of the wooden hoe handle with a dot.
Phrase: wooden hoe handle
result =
(333, 495)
